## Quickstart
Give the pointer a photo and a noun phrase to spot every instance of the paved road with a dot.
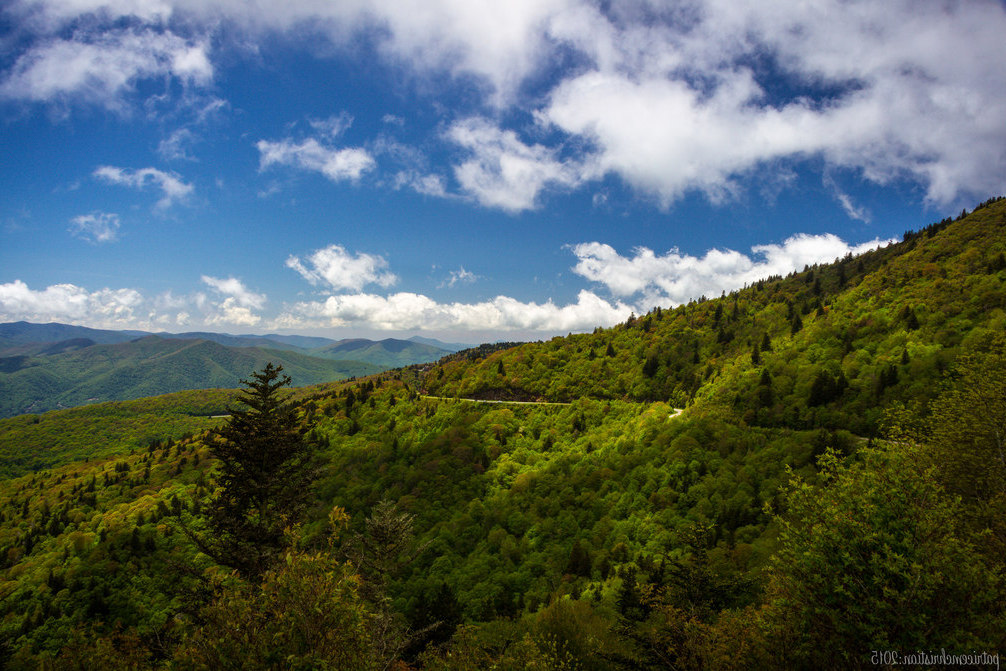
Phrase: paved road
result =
(479, 400)
(675, 413)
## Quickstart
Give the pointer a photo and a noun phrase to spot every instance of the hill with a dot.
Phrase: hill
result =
(146, 367)
(24, 333)
(768, 525)
(449, 346)
(389, 353)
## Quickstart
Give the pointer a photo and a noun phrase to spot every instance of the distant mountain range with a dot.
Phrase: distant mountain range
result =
(148, 366)
(25, 333)
(50, 366)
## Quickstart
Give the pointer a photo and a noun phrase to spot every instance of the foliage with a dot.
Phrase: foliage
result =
(265, 469)
(30, 443)
(147, 367)
(877, 559)
(304, 614)
(609, 531)
(968, 436)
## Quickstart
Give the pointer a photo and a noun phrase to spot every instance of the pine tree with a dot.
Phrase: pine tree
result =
(263, 478)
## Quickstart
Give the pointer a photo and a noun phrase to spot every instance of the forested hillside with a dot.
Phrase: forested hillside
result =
(834, 486)
(146, 367)
(390, 352)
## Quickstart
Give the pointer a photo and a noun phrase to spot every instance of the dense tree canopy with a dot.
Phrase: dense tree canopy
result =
(771, 524)
(265, 468)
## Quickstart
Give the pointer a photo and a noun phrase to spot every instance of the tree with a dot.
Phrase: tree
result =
(968, 437)
(876, 558)
(305, 613)
(379, 554)
(263, 478)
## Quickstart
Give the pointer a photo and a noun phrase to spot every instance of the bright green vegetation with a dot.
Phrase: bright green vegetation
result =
(34, 442)
(833, 487)
(147, 367)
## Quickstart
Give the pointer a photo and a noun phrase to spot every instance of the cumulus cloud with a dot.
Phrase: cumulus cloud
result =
(675, 278)
(103, 67)
(694, 96)
(68, 303)
(96, 227)
(235, 290)
(335, 164)
(171, 185)
(672, 106)
(234, 305)
(341, 269)
(408, 311)
(503, 171)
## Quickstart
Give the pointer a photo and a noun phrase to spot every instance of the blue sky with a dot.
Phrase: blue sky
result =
(470, 170)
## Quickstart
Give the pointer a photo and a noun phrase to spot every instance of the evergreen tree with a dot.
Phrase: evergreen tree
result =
(579, 561)
(263, 478)
(795, 325)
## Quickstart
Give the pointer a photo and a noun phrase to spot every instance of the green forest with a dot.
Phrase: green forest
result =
(805, 473)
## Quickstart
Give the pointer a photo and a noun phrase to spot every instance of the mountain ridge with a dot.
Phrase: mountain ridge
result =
(148, 366)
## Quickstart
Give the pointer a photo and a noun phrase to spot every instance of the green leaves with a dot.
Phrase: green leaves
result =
(263, 479)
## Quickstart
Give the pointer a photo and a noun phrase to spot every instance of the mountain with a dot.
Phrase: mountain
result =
(145, 367)
(23, 333)
(389, 353)
(829, 347)
(449, 346)
(233, 340)
(793, 475)
(303, 342)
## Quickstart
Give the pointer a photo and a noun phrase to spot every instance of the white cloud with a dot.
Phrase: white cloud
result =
(335, 164)
(129, 308)
(68, 303)
(408, 311)
(236, 292)
(845, 200)
(176, 146)
(332, 126)
(96, 227)
(342, 270)
(504, 172)
(102, 68)
(425, 184)
(458, 276)
(671, 98)
(883, 88)
(230, 312)
(171, 185)
(675, 278)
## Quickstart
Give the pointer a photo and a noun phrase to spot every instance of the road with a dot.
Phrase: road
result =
(675, 413)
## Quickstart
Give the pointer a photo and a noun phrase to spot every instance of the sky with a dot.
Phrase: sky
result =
(471, 170)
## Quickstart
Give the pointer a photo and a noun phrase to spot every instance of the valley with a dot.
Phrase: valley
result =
(787, 476)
